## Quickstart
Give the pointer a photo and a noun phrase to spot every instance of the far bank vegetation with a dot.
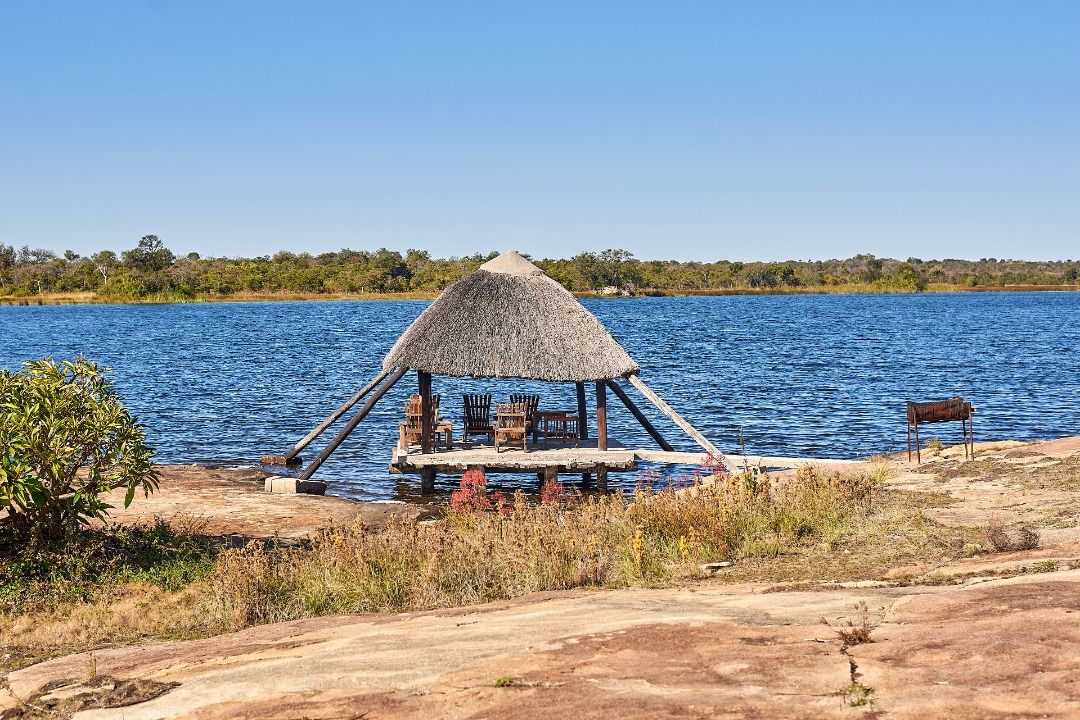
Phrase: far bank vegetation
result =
(152, 272)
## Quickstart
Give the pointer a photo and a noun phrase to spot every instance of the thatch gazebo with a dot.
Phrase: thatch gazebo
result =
(507, 320)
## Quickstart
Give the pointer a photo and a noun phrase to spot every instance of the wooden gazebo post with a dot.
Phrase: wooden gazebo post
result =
(601, 432)
(583, 425)
(427, 428)
(582, 412)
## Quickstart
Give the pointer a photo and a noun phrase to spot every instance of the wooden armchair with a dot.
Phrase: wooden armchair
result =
(509, 424)
(531, 402)
(411, 431)
(477, 416)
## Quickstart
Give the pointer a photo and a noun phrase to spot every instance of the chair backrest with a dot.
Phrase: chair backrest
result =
(478, 412)
(511, 415)
(531, 401)
(414, 410)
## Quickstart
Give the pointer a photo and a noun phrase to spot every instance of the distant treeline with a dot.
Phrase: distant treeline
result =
(151, 270)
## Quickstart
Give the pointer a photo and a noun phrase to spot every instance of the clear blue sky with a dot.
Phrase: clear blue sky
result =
(704, 130)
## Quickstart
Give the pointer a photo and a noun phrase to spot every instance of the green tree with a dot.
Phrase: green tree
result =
(104, 262)
(7, 257)
(65, 440)
(150, 255)
(614, 262)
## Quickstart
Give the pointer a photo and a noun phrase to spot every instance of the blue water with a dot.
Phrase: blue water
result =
(820, 376)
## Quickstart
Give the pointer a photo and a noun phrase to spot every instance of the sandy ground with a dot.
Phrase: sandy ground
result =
(991, 636)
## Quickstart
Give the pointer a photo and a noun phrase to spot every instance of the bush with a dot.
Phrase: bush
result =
(65, 440)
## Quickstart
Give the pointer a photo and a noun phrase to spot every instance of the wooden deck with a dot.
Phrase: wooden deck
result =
(565, 459)
(570, 459)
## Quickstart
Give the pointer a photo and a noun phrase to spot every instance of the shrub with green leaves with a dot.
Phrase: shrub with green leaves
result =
(65, 441)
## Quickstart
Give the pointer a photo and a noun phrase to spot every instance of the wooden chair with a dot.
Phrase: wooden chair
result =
(477, 416)
(532, 402)
(510, 424)
(411, 431)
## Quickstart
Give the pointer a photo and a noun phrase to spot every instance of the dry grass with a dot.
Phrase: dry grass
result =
(474, 557)
(125, 614)
(817, 525)
(108, 585)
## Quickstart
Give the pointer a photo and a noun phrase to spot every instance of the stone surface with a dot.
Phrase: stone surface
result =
(1007, 648)
(1001, 649)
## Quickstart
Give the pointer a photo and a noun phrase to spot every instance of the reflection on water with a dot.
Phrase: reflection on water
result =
(822, 376)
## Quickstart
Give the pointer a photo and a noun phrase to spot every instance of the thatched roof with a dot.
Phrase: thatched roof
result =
(508, 319)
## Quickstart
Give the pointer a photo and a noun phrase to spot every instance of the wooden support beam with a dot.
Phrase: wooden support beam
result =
(427, 412)
(680, 421)
(640, 417)
(601, 415)
(582, 412)
(427, 481)
(351, 425)
(290, 458)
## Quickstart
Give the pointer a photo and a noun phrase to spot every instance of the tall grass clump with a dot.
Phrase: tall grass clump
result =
(488, 547)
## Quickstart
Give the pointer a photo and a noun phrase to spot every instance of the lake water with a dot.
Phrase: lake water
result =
(817, 376)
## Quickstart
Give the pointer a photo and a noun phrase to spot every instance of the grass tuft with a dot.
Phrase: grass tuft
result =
(1002, 539)
(857, 633)
(858, 695)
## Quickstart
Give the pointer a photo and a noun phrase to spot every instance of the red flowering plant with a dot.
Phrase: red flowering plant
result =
(715, 464)
(472, 495)
(648, 480)
(553, 492)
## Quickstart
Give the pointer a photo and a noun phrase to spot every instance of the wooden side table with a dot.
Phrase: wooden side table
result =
(559, 426)
(539, 418)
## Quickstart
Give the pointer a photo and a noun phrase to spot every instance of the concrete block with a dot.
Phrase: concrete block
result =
(291, 485)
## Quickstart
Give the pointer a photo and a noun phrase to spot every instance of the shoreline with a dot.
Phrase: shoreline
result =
(91, 298)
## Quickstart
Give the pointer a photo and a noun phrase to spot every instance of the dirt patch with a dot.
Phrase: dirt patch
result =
(64, 698)
(233, 504)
